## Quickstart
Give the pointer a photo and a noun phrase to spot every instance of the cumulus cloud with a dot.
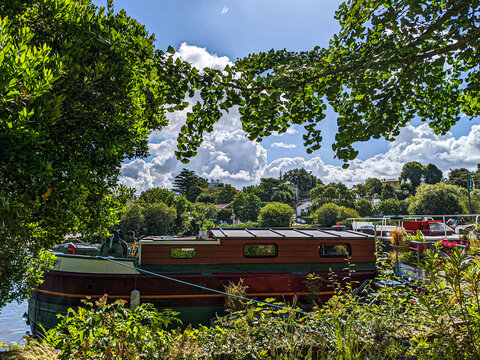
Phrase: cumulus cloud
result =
(201, 58)
(413, 144)
(226, 153)
(283, 145)
(224, 10)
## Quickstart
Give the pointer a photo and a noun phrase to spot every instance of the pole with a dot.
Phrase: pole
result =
(468, 188)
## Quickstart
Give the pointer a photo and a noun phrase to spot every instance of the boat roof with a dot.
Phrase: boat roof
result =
(279, 233)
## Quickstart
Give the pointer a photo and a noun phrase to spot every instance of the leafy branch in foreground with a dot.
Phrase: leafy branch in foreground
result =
(392, 61)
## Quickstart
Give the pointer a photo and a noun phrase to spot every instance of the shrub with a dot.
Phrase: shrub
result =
(275, 214)
(111, 331)
(330, 214)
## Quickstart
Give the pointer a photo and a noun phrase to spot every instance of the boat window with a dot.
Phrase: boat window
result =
(439, 227)
(260, 250)
(340, 250)
(182, 253)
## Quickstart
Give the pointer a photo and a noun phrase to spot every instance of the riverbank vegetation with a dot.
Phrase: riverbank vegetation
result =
(433, 319)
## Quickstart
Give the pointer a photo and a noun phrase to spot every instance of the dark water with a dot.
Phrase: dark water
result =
(12, 327)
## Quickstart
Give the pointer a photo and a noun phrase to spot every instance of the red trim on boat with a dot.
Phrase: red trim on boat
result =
(187, 296)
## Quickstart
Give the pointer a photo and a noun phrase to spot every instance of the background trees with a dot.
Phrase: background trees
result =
(189, 184)
(432, 174)
(373, 187)
(275, 214)
(437, 199)
(329, 214)
(304, 180)
(336, 193)
(458, 177)
(392, 206)
(246, 206)
(416, 173)
(412, 171)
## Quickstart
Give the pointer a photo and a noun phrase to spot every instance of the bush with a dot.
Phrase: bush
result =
(275, 214)
(392, 207)
(438, 199)
(364, 207)
(330, 214)
(111, 331)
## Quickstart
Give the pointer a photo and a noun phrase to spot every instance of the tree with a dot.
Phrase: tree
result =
(458, 177)
(224, 215)
(373, 187)
(226, 194)
(209, 210)
(304, 180)
(329, 214)
(246, 206)
(284, 194)
(388, 192)
(412, 171)
(389, 63)
(158, 219)
(131, 221)
(81, 91)
(360, 190)
(437, 199)
(183, 208)
(364, 207)
(336, 193)
(275, 214)
(148, 219)
(267, 188)
(432, 174)
(207, 198)
(392, 206)
(189, 184)
(157, 195)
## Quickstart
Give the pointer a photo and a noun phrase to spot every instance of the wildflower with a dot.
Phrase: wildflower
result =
(413, 302)
(402, 357)
(343, 339)
(406, 343)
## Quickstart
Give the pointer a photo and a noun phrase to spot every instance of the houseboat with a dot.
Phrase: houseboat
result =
(189, 274)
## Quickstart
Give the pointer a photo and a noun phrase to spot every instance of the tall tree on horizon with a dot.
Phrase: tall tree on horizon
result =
(188, 183)
(412, 171)
(432, 174)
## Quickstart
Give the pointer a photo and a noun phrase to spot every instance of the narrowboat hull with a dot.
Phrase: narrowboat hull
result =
(166, 283)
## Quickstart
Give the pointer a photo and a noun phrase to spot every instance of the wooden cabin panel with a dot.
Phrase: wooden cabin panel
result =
(230, 251)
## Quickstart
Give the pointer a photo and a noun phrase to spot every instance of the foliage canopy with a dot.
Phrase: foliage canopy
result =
(391, 61)
(81, 89)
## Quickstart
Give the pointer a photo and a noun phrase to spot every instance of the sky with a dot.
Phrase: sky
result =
(215, 33)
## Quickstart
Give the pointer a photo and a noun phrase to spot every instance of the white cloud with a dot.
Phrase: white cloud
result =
(224, 10)
(225, 154)
(290, 131)
(201, 58)
(283, 145)
(413, 144)
(228, 155)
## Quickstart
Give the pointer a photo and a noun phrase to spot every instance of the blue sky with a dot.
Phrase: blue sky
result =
(216, 32)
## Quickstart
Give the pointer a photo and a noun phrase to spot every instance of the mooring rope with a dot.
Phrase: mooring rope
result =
(200, 286)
